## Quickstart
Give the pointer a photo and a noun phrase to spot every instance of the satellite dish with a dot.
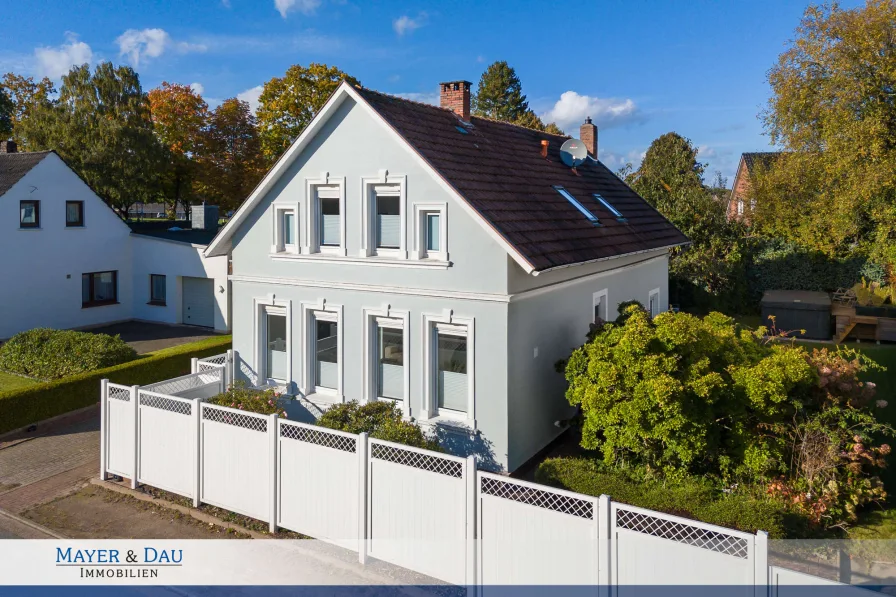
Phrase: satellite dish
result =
(573, 153)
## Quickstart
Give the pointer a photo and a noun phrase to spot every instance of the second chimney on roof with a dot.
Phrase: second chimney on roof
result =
(588, 135)
(455, 95)
(8, 147)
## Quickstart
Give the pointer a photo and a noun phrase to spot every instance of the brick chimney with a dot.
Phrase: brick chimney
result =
(8, 147)
(455, 95)
(588, 135)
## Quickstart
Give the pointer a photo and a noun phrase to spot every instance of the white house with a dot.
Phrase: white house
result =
(70, 262)
(406, 252)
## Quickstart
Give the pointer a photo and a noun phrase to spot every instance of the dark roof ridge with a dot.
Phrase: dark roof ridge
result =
(404, 99)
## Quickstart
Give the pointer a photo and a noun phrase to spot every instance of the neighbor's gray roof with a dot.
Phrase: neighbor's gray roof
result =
(13, 166)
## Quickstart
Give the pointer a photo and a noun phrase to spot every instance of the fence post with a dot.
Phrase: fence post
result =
(470, 483)
(234, 365)
(363, 448)
(760, 564)
(604, 545)
(194, 365)
(273, 432)
(197, 456)
(104, 430)
(228, 369)
(135, 400)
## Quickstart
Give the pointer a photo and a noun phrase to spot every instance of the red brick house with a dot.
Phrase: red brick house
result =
(740, 204)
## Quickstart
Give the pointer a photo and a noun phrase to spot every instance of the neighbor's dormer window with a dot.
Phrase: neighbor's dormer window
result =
(575, 203)
(609, 207)
(29, 214)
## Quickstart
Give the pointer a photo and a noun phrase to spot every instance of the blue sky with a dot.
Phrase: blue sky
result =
(639, 68)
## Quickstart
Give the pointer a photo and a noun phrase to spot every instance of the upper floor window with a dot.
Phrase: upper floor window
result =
(325, 222)
(29, 214)
(99, 288)
(430, 231)
(740, 207)
(286, 237)
(74, 214)
(383, 216)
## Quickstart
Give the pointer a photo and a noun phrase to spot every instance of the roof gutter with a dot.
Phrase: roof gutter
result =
(558, 267)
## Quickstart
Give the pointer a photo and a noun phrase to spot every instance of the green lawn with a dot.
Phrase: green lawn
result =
(11, 382)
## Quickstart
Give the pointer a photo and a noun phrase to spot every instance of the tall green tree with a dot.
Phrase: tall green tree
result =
(229, 155)
(7, 108)
(833, 107)
(101, 126)
(288, 103)
(179, 117)
(26, 95)
(499, 95)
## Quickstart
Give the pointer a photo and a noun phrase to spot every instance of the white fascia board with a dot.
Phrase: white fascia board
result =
(221, 245)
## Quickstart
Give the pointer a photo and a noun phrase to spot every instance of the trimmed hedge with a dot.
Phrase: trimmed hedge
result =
(41, 401)
(46, 353)
(692, 498)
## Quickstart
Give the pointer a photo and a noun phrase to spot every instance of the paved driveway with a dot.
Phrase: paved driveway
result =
(148, 337)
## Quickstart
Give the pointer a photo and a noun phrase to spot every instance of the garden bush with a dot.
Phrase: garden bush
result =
(33, 403)
(53, 354)
(681, 396)
(242, 397)
(690, 497)
(380, 420)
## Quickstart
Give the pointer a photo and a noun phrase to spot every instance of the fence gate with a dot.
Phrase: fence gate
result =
(419, 515)
(652, 548)
(319, 482)
(167, 442)
(237, 453)
(532, 534)
(119, 426)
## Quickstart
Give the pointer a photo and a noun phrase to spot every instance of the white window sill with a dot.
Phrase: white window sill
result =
(449, 423)
(30, 228)
(322, 398)
(375, 260)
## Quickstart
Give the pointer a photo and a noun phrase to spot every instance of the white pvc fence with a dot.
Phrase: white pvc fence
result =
(430, 512)
(787, 583)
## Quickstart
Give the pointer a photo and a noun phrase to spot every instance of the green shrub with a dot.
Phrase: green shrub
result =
(53, 354)
(242, 397)
(380, 420)
(690, 497)
(37, 402)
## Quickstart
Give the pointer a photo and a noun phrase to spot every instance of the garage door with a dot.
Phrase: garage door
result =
(199, 302)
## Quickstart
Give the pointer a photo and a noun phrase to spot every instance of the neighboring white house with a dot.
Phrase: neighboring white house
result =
(405, 252)
(70, 262)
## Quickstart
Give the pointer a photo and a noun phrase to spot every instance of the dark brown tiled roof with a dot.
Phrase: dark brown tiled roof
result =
(498, 169)
(760, 158)
(13, 166)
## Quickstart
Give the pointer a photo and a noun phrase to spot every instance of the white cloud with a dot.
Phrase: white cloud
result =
(303, 6)
(197, 88)
(572, 108)
(142, 44)
(423, 98)
(705, 151)
(251, 96)
(55, 62)
(614, 161)
(405, 24)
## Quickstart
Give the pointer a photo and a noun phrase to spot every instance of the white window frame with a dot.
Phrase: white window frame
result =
(261, 307)
(421, 210)
(391, 319)
(595, 299)
(279, 246)
(387, 186)
(740, 207)
(327, 187)
(651, 294)
(448, 323)
(324, 311)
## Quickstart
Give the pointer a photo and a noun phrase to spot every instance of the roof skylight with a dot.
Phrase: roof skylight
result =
(606, 204)
(575, 203)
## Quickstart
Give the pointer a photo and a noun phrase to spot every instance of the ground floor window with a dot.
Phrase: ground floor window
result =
(600, 306)
(653, 302)
(99, 288)
(389, 361)
(276, 353)
(451, 383)
(326, 352)
(157, 290)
